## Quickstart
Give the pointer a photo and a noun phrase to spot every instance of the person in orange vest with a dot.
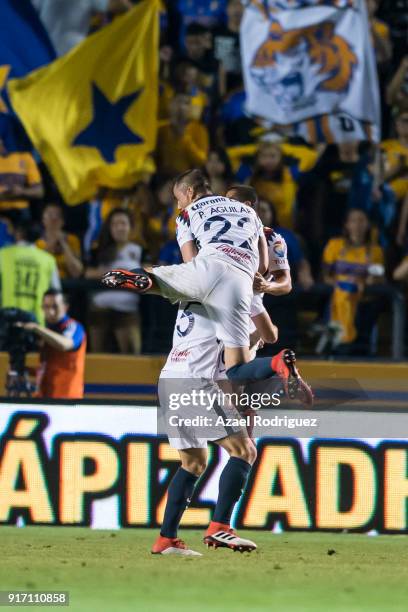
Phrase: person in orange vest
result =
(61, 373)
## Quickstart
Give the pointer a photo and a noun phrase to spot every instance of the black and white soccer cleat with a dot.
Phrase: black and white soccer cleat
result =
(227, 538)
(137, 280)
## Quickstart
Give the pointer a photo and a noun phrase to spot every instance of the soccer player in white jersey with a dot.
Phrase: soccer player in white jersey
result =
(223, 243)
(277, 280)
(195, 364)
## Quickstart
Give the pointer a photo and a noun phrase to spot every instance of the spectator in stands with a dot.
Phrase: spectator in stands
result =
(227, 45)
(207, 13)
(20, 182)
(112, 313)
(133, 200)
(161, 225)
(273, 181)
(380, 34)
(396, 167)
(186, 81)
(26, 272)
(218, 170)
(198, 45)
(397, 90)
(369, 192)
(63, 350)
(299, 265)
(235, 127)
(66, 248)
(66, 25)
(350, 263)
(325, 192)
(182, 143)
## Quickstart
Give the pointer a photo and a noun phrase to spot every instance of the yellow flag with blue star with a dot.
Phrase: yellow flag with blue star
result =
(92, 114)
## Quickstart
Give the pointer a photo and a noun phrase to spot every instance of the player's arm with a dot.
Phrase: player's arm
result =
(188, 251)
(263, 255)
(265, 328)
(280, 285)
(185, 237)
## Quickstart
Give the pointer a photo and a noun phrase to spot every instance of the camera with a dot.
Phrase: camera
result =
(17, 342)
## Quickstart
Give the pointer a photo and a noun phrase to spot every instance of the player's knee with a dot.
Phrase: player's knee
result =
(246, 451)
(195, 466)
(250, 452)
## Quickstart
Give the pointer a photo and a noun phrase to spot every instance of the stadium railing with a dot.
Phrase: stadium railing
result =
(316, 299)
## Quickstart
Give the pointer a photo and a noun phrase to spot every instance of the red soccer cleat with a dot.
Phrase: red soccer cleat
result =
(137, 280)
(219, 535)
(172, 546)
(293, 384)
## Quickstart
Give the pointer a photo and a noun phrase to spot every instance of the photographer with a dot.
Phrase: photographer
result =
(61, 374)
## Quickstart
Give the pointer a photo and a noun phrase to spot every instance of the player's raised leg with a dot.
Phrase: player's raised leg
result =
(179, 494)
(232, 482)
(282, 365)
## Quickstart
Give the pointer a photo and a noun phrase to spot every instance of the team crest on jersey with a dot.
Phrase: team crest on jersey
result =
(187, 318)
(298, 66)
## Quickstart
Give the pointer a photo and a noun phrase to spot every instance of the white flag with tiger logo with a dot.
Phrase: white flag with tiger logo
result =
(311, 59)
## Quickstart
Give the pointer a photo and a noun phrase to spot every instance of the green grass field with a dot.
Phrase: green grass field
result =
(114, 571)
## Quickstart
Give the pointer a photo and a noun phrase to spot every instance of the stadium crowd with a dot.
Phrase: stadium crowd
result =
(342, 209)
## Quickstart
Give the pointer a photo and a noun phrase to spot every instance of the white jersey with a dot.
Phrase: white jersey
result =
(278, 260)
(223, 227)
(196, 351)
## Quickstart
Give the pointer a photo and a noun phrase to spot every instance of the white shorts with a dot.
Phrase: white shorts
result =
(224, 290)
(205, 422)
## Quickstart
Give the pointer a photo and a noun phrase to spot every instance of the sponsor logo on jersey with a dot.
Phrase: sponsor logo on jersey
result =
(207, 202)
(177, 356)
(278, 249)
(234, 253)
